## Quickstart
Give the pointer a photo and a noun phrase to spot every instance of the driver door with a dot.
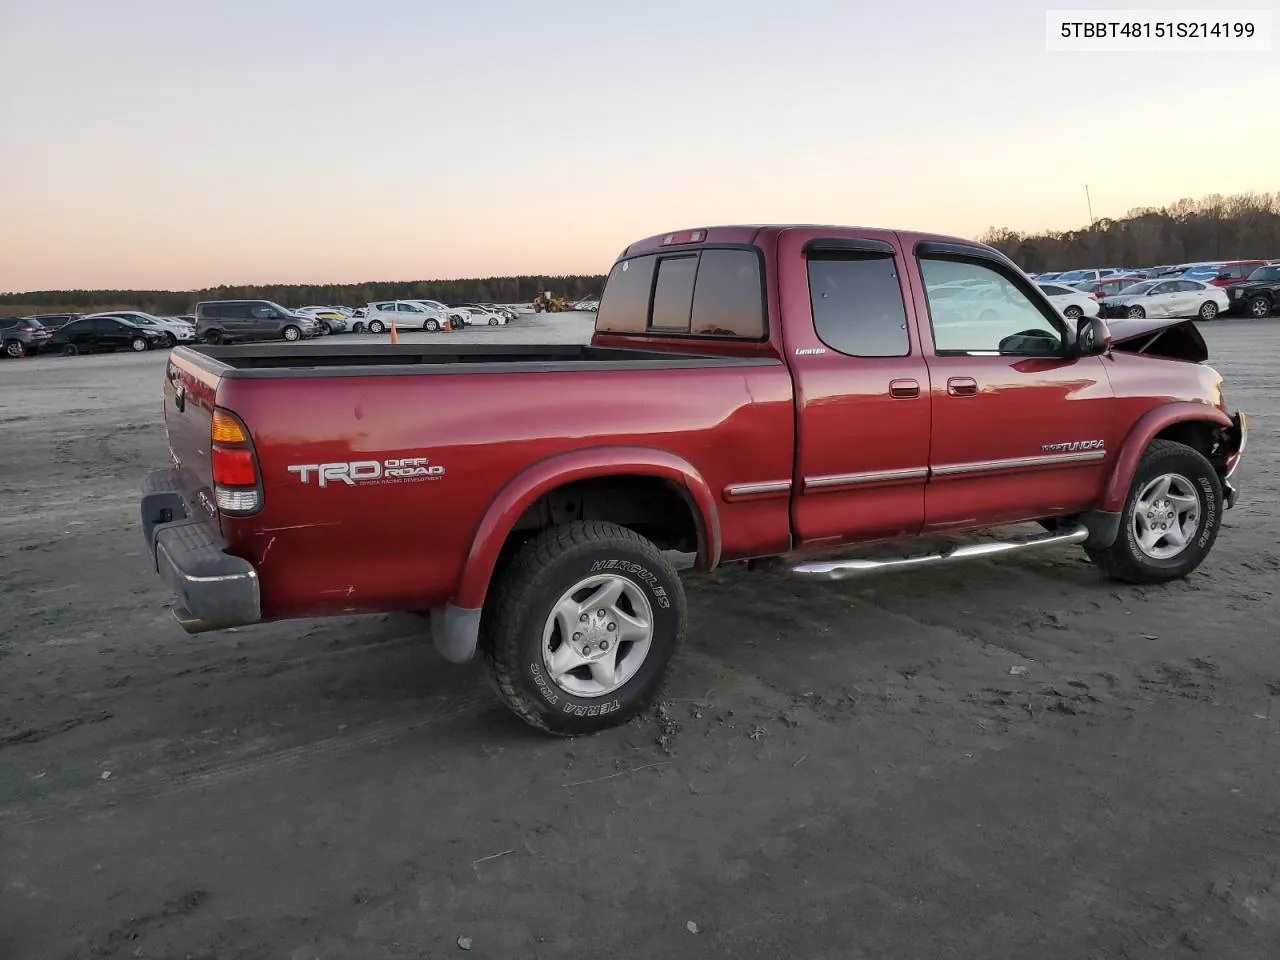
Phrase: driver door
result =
(1021, 431)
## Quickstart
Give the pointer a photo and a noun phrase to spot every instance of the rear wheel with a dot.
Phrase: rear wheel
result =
(325, 329)
(1208, 310)
(1259, 307)
(70, 349)
(213, 337)
(15, 348)
(1073, 312)
(581, 627)
(376, 326)
(138, 344)
(1170, 518)
(170, 340)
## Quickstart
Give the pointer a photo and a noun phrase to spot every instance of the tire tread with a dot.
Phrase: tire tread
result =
(499, 640)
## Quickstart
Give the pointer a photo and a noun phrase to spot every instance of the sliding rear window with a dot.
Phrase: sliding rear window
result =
(708, 293)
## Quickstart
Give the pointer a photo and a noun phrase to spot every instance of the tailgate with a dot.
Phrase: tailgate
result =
(190, 385)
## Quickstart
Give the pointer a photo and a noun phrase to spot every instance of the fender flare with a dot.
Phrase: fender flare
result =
(1139, 438)
(510, 503)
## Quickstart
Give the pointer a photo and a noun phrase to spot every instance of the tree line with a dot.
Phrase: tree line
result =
(1243, 226)
(176, 302)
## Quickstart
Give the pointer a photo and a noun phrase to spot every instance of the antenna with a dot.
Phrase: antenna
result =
(1089, 202)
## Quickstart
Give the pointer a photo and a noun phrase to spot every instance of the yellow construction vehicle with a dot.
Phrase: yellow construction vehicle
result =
(546, 303)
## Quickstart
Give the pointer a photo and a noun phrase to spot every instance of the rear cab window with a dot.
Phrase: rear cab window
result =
(857, 304)
(714, 292)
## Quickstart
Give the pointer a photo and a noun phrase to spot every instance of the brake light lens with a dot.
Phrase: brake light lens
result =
(687, 236)
(237, 486)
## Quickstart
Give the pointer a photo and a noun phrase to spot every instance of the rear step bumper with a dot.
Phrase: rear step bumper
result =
(843, 569)
(215, 590)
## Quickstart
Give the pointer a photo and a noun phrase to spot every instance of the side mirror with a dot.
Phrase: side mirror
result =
(1093, 337)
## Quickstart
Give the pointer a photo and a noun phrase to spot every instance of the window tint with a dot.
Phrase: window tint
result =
(1053, 291)
(857, 306)
(624, 307)
(728, 300)
(673, 293)
(995, 317)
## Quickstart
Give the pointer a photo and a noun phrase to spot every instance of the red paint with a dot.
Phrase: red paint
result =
(504, 440)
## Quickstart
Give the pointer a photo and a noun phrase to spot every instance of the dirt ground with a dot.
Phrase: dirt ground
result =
(851, 771)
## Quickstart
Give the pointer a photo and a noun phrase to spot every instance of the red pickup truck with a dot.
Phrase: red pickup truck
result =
(782, 393)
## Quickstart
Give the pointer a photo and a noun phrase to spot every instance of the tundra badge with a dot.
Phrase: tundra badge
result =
(1074, 445)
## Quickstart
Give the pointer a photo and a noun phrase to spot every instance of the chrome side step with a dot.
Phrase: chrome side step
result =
(843, 569)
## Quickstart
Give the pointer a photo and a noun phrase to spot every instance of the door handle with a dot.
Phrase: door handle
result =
(904, 389)
(962, 387)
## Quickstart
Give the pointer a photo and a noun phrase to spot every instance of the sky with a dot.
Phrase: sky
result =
(172, 144)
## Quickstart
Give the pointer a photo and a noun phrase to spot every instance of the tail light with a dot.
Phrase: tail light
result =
(237, 482)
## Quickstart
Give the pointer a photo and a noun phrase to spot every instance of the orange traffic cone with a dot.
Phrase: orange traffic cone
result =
(395, 337)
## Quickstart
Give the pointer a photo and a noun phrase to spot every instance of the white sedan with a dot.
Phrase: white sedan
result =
(1167, 298)
(1071, 303)
(405, 314)
(477, 316)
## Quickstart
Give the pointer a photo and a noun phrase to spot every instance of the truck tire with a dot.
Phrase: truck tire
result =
(1170, 518)
(1259, 307)
(581, 626)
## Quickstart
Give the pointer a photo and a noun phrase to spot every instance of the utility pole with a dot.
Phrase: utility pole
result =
(1089, 202)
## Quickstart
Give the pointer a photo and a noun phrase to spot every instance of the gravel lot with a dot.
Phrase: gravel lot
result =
(839, 771)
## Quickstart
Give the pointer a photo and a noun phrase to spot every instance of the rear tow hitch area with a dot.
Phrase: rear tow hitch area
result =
(859, 566)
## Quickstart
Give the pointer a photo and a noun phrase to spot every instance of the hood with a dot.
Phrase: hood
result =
(1172, 339)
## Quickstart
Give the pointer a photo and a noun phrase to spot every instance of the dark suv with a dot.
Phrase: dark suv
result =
(229, 321)
(22, 336)
(1257, 295)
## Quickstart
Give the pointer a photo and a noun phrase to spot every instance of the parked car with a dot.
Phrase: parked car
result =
(22, 336)
(174, 331)
(327, 319)
(103, 335)
(1234, 271)
(238, 321)
(1108, 287)
(1203, 272)
(479, 316)
(51, 321)
(1047, 277)
(457, 318)
(1258, 295)
(724, 410)
(1072, 277)
(1072, 303)
(1178, 297)
(405, 314)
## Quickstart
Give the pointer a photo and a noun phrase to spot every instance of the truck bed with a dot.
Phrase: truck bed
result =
(322, 359)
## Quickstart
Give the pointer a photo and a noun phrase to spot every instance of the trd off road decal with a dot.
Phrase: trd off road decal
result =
(369, 472)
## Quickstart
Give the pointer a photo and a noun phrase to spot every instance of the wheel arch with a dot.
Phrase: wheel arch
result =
(644, 477)
(1194, 424)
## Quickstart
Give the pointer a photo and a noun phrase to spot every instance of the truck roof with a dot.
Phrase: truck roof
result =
(754, 233)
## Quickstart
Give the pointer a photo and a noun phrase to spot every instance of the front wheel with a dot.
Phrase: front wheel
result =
(1208, 310)
(213, 338)
(493, 321)
(357, 327)
(1073, 312)
(1136, 313)
(1170, 519)
(581, 627)
(376, 326)
(1259, 307)
(292, 333)
(431, 325)
(70, 350)
(138, 344)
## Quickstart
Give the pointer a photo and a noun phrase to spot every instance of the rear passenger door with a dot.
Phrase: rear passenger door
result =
(861, 385)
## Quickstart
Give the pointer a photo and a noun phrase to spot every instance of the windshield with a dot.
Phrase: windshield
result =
(1200, 273)
(1265, 273)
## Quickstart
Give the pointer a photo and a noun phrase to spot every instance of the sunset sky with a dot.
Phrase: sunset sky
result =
(160, 143)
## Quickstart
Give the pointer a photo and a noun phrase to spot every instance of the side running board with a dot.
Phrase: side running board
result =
(843, 569)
